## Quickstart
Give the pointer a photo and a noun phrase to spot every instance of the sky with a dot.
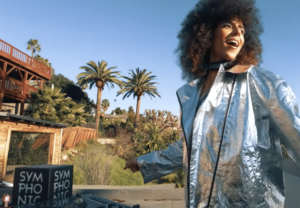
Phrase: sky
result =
(132, 34)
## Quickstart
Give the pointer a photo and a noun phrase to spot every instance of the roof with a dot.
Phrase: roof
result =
(26, 119)
(115, 116)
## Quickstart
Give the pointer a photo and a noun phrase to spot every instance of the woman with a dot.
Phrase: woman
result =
(235, 115)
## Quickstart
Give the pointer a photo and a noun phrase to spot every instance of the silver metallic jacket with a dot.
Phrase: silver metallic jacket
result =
(231, 150)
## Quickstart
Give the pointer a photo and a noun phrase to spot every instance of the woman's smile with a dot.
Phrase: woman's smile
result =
(228, 40)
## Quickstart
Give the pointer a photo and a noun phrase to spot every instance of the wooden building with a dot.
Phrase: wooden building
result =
(17, 73)
(16, 123)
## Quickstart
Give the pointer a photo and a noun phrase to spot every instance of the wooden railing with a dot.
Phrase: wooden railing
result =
(14, 85)
(30, 89)
(26, 60)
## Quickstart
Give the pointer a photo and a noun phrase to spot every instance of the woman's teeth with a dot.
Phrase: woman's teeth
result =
(233, 43)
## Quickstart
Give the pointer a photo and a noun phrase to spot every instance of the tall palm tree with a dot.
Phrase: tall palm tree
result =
(99, 75)
(139, 83)
(105, 105)
(34, 46)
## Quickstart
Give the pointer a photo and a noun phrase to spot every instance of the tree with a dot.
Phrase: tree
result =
(159, 129)
(105, 105)
(34, 46)
(52, 105)
(71, 113)
(130, 109)
(99, 75)
(41, 104)
(162, 120)
(71, 90)
(138, 84)
(118, 111)
(43, 60)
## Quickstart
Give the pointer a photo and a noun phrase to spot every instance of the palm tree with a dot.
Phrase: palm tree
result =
(42, 104)
(138, 84)
(52, 105)
(84, 87)
(99, 75)
(43, 60)
(34, 46)
(105, 105)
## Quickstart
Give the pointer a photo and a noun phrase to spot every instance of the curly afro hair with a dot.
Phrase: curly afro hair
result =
(196, 35)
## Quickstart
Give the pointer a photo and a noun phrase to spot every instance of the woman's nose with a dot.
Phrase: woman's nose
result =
(237, 31)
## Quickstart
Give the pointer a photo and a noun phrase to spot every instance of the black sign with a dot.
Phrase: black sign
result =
(39, 183)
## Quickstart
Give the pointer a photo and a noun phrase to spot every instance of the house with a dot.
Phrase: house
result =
(112, 116)
(20, 74)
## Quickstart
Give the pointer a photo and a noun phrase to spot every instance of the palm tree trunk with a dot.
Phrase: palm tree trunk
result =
(137, 115)
(32, 51)
(98, 112)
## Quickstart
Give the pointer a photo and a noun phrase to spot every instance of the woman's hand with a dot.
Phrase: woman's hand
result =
(132, 164)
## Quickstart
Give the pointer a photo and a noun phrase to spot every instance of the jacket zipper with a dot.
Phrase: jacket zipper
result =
(220, 146)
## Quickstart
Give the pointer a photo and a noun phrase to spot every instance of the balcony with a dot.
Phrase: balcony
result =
(15, 55)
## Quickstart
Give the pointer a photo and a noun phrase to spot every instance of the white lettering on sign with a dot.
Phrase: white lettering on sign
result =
(24, 200)
(61, 185)
(60, 198)
(30, 188)
(26, 176)
(59, 175)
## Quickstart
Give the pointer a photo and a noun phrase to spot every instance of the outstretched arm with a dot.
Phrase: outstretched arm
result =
(158, 163)
(285, 119)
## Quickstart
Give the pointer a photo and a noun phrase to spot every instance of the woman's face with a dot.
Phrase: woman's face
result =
(228, 40)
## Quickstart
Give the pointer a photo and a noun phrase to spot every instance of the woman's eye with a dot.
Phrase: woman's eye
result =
(227, 25)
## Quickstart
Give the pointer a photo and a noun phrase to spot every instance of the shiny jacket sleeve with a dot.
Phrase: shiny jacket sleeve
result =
(160, 163)
(285, 119)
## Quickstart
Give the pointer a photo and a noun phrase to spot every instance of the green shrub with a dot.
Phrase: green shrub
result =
(92, 164)
(121, 177)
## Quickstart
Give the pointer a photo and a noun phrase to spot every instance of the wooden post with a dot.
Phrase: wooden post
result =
(1, 99)
(22, 108)
(4, 75)
(16, 108)
(51, 149)
(42, 83)
(25, 83)
(6, 153)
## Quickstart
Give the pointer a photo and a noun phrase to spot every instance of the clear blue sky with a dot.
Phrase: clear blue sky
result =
(137, 33)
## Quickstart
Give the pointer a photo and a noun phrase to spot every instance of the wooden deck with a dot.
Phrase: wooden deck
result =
(18, 73)
(9, 52)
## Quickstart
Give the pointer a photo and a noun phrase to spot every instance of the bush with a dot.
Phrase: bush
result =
(124, 145)
(121, 177)
(93, 163)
